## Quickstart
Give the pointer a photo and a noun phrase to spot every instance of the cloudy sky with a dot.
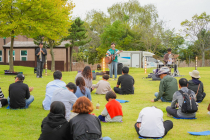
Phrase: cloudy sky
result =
(172, 11)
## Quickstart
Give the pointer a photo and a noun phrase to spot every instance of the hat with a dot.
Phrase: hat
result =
(163, 70)
(194, 74)
(20, 76)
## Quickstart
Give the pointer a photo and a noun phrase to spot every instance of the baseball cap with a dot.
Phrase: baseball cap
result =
(20, 76)
(163, 70)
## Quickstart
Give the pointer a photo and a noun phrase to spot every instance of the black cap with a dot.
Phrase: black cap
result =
(20, 76)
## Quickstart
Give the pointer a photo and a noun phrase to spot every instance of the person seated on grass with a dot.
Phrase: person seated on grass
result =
(87, 75)
(113, 109)
(81, 89)
(150, 123)
(67, 97)
(55, 126)
(3, 101)
(196, 85)
(168, 86)
(51, 87)
(19, 94)
(84, 126)
(178, 100)
(126, 81)
(102, 86)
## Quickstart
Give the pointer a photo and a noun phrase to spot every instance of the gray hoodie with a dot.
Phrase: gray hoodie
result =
(178, 98)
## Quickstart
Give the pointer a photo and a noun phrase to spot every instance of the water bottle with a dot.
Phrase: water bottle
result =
(0, 105)
(97, 106)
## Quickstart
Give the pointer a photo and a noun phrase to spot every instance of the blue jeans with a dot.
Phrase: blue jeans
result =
(101, 118)
(107, 138)
(111, 66)
(162, 99)
(28, 101)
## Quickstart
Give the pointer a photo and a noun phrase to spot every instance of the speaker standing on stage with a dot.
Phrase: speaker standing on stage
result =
(40, 53)
(113, 65)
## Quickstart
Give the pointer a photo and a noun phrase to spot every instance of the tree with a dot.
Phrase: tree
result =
(95, 22)
(133, 13)
(77, 36)
(34, 18)
(197, 29)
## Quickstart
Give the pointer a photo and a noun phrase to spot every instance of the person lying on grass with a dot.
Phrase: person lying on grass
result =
(150, 123)
(55, 126)
(102, 86)
(113, 109)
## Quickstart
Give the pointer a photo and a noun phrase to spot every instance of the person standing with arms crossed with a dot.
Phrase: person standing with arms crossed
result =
(113, 65)
(40, 54)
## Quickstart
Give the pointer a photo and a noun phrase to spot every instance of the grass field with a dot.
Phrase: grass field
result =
(26, 124)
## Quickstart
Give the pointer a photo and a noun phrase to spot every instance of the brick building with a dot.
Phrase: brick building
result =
(24, 53)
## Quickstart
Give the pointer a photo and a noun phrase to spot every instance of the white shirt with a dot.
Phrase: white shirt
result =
(169, 59)
(151, 120)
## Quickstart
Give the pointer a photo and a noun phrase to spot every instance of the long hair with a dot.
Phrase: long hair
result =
(87, 73)
(57, 107)
(81, 83)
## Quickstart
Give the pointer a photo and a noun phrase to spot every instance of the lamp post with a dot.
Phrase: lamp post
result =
(145, 65)
(196, 62)
(103, 65)
(46, 67)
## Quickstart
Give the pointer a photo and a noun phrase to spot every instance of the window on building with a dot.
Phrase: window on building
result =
(0, 55)
(13, 55)
(23, 55)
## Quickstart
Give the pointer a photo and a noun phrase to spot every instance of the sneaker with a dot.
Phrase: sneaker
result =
(37, 77)
(209, 112)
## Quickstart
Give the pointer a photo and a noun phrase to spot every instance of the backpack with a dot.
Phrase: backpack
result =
(189, 104)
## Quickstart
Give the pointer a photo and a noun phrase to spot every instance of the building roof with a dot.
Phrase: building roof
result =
(29, 44)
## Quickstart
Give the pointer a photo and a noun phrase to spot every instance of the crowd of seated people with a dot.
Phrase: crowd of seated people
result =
(63, 100)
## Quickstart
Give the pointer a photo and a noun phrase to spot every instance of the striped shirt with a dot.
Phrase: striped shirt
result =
(1, 94)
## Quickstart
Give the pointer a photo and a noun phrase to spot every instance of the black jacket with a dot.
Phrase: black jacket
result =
(85, 127)
(43, 55)
(18, 92)
(55, 127)
(194, 87)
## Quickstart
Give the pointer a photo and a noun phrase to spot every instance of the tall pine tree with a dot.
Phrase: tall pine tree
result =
(77, 37)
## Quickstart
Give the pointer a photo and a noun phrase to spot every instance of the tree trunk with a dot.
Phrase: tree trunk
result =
(52, 56)
(71, 48)
(203, 55)
(11, 67)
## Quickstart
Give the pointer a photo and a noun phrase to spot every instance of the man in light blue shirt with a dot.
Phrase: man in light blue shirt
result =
(67, 96)
(51, 87)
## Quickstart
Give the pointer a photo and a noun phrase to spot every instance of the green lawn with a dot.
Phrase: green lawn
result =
(26, 124)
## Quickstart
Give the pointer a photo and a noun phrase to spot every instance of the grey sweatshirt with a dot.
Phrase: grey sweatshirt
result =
(178, 98)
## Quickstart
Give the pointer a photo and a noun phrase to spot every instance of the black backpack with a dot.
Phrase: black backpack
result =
(189, 104)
